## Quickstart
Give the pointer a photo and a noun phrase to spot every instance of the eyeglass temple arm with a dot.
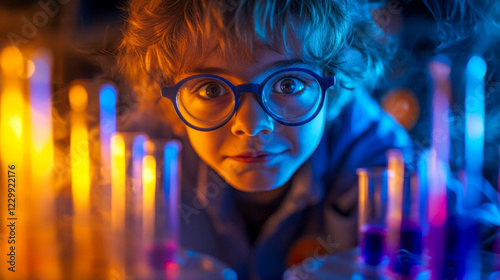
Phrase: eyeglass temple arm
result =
(170, 92)
(327, 82)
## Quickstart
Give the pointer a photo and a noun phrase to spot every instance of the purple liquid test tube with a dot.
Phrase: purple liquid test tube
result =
(372, 214)
(372, 243)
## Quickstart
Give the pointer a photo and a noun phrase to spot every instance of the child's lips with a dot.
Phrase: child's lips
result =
(262, 158)
(257, 157)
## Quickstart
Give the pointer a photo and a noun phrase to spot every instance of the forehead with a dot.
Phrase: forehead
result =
(243, 64)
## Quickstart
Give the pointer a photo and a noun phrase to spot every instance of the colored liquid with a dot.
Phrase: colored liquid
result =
(411, 240)
(372, 244)
(162, 254)
(410, 251)
(462, 237)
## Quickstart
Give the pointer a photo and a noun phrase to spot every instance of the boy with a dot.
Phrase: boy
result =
(269, 98)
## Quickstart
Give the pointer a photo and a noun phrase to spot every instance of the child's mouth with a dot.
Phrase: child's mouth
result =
(257, 157)
(250, 159)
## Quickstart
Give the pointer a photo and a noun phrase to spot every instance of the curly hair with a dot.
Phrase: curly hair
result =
(160, 38)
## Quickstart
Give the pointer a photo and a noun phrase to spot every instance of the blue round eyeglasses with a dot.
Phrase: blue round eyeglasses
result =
(292, 96)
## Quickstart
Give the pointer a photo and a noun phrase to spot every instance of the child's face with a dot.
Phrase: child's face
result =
(231, 149)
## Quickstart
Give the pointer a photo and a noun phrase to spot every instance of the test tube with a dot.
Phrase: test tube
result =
(42, 162)
(406, 251)
(372, 213)
(474, 133)
(80, 180)
(128, 151)
(13, 157)
(171, 197)
(107, 126)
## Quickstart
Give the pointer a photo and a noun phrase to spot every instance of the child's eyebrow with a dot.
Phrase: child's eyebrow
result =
(273, 65)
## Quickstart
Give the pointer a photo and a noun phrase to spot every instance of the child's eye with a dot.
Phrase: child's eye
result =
(288, 85)
(210, 89)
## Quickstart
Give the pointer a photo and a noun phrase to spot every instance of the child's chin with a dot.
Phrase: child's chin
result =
(254, 184)
(252, 188)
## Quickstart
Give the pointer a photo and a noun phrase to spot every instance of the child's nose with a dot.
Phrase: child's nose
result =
(250, 118)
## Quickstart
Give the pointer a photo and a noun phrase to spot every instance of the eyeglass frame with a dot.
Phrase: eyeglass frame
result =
(171, 92)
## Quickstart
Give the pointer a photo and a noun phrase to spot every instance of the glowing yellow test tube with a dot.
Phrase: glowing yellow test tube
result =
(13, 129)
(148, 196)
(395, 194)
(80, 179)
(396, 179)
(118, 176)
(80, 166)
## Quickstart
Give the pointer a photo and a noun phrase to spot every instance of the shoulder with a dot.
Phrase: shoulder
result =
(359, 137)
(363, 132)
